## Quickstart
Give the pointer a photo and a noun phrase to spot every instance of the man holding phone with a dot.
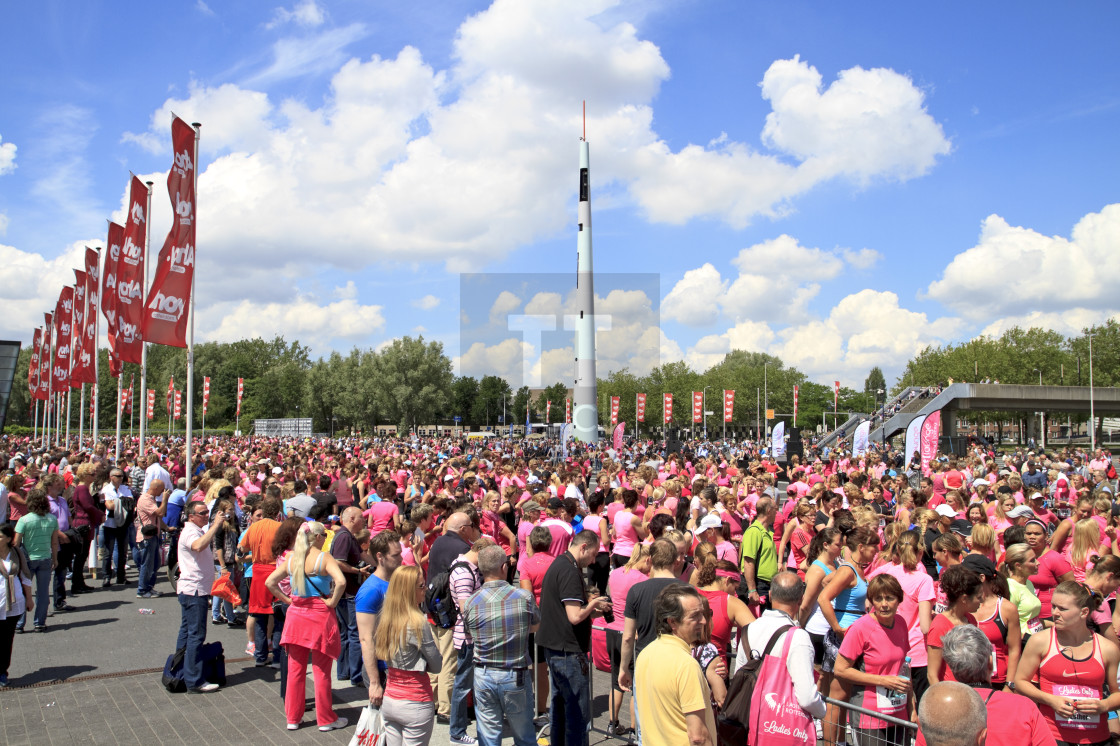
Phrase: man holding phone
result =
(196, 566)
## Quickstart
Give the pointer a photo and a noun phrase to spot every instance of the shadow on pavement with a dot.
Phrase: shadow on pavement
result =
(51, 673)
(82, 623)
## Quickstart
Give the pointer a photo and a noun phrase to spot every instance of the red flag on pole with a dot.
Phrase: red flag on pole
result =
(131, 383)
(836, 397)
(109, 300)
(614, 410)
(123, 400)
(240, 392)
(178, 404)
(77, 332)
(795, 390)
(640, 408)
(45, 359)
(85, 339)
(567, 410)
(697, 406)
(151, 403)
(168, 305)
(63, 313)
(547, 412)
(170, 394)
(130, 275)
(728, 404)
(33, 367)
(92, 399)
(668, 407)
(205, 394)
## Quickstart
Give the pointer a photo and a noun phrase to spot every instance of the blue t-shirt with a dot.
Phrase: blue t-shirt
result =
(369, 600)
(175, 505)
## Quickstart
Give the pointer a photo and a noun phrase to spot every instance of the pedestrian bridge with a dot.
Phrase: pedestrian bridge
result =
(1003, 397)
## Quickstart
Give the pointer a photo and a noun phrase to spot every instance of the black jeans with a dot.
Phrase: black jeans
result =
(65, 561)
(115, 539)
(7, 636)
(81, 558)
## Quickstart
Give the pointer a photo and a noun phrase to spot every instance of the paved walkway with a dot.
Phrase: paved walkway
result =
(94, 677)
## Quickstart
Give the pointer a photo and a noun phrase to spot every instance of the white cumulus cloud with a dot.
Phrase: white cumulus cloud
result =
(427, 303)
(305, 13)
(7, 156)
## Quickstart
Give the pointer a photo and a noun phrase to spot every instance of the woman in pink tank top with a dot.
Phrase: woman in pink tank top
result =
(628, 529)
(1071, 664)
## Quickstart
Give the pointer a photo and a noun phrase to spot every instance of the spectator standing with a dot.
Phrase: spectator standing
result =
(953, 715)
(674, 699)
(758, 557)
(499, 618)
(150, 510)
(565, 636)
(257, 541)
(116, 528)
(37, 533)
(458, 535)
(386, 553)
(87, 518)
(347, 553)
(196, 578)
(464, 579)
(15, 595)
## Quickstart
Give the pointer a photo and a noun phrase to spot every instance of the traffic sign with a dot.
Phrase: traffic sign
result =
(769, 414)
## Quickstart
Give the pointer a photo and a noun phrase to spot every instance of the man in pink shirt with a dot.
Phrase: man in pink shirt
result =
(559, 527)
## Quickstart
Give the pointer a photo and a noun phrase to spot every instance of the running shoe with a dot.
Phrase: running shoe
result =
(251, 649)
(340, 723)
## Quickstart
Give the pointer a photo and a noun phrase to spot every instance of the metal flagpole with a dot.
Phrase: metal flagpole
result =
(118, 446)
(68, 416)
(95, 391)
(35, 423)
(82, 417)
(190, 323)
(144, 343)
(1092, 409)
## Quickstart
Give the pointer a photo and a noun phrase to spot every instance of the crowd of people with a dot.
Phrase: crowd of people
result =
(431, 572)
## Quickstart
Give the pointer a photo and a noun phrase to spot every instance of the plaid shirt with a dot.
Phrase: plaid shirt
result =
(498, 617)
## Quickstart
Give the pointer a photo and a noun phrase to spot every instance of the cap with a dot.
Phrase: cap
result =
(1037, 496)
(981, 564)
(945, 511)
(961, 527)
(555, 503)
(981, 483)
(277, 470)
(1021, 512)
(711, 520)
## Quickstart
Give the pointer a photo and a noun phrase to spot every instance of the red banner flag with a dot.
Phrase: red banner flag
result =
(33, 366)
(697, 406)
(85, 334)
(92, 400)
(178, 404)
(668, 408)
(45, 358)
(547, 412)
(168, 306)
(130, 275)
(640, 408)
(240, 392)
(614, 410)
(836, 397)
(63, 314)
(151, 404)
(131, 383)
(205, 394)
(795, 391)
(567, 410)
(728, 404)
(110, 303)
(123, 403)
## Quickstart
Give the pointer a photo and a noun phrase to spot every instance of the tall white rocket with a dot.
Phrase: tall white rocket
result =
(585, 413)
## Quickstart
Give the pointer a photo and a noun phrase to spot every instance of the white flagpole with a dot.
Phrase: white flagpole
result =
(95, 390)
(190, 324)
(35, 423)
(67, 441)
(82, 417)
(50, 387)
(119, 384)
(144, 343)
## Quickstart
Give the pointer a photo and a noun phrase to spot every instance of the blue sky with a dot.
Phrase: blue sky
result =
(838, 185)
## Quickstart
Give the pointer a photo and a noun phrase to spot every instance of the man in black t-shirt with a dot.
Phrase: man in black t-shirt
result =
(325, 502)
(640, 629)
(565, 636)
(459, 532)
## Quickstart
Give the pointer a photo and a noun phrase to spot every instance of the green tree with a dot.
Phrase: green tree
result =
(464, 391)
(489, 401)
(413, 381)
(556, 393)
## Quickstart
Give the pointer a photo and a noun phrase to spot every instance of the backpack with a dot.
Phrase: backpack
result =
(734, 719)
(213, 659)
(124, 507)
(173, 672)
(438, 599)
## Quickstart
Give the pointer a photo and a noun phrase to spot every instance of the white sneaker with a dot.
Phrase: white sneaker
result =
(340, 723)
(293, 726)
(206, 688)
(465, 740)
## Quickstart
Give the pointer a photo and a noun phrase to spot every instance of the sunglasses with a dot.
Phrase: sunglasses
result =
(197, 513)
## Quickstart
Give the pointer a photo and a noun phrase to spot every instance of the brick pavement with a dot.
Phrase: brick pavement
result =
(78, 683)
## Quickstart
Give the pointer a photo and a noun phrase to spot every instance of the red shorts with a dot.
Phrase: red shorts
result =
(260, 597)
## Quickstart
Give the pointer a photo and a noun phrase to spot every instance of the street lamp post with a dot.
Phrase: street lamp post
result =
(1041, 415)
(704, 411)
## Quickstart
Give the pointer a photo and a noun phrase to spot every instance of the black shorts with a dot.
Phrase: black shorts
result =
(614, 654)
(818, 647)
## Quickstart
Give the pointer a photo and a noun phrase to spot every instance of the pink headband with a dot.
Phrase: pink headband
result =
(727, 574)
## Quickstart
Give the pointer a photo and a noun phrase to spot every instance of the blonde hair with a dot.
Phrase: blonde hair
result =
(216, 487)
(399, 614)
(983, 538)
(641, 552)
(1086, 541)
(298, 558)
(907, 550)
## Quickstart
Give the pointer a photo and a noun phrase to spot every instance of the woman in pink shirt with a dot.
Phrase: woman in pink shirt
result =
(917, 601)
(622, 579)
(628, 529)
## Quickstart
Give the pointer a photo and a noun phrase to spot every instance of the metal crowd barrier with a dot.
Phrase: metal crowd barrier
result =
(898, 733)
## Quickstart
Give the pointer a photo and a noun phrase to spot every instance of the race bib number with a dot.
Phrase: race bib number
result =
(1079, 720)
(889, 702)
(1034, 626)
(994, 666)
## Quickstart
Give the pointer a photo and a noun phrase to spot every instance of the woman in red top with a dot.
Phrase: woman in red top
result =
(962, 588)
(1053, 567)
(998, 619)
(85, 519)
(1072, 666)
(717, 581)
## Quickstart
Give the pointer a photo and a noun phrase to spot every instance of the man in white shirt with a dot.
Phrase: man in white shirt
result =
(786, 591)
(154, 471)
(116, 531)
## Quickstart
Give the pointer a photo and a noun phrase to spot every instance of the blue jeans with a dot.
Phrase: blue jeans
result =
(504, 692)
(570, 706)
(148, 565)
(260, 637)
(464, 682)
(192, 633)
(41, 572)
(350, 659)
